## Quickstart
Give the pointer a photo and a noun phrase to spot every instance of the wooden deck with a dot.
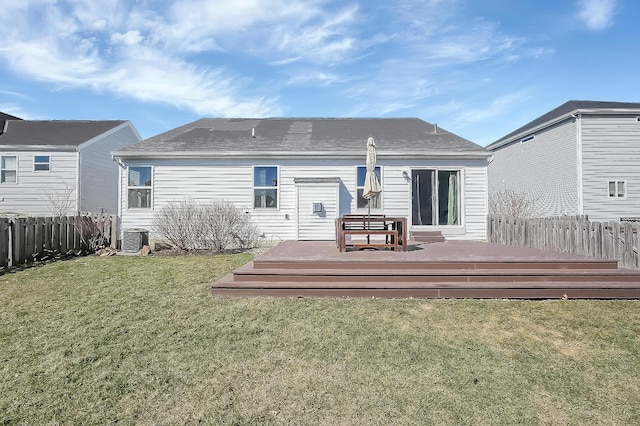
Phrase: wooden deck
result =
(452, 269)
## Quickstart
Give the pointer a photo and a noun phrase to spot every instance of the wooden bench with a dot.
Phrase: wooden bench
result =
(391, 238)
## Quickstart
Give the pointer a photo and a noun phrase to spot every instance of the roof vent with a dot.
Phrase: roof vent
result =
(253, 132)
(435, 128)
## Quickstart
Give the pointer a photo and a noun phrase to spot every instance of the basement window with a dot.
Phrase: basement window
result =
(617, 189)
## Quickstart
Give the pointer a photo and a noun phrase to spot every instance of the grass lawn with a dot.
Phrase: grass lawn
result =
(140, 340)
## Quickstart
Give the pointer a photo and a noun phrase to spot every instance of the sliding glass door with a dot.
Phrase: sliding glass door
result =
(435, 197)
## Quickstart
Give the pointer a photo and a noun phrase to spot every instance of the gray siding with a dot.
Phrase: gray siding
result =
(611, 151)
(99, 173)
(545, 167)
(232, 180)
(41, 193)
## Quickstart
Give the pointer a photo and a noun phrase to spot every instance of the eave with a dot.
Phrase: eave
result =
(289, 155)
(38, 148)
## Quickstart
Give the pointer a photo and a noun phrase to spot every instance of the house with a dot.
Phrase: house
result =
(581, 158)
(60, 167)
(295, 176)
(3, 119)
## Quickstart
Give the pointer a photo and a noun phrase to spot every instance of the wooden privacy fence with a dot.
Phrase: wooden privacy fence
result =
(605, 240)
(26, 239)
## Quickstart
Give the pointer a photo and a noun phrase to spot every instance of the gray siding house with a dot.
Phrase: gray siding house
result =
(277, 169)
(60, 167)
(582, 157)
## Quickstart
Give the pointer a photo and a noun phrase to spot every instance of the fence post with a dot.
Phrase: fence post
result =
(628, 246)
(5, 242)
(113, 221)
(636, 249)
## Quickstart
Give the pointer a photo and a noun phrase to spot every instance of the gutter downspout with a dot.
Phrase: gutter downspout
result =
(580, 187)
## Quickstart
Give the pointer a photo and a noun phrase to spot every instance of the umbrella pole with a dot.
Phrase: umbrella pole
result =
(368, 219)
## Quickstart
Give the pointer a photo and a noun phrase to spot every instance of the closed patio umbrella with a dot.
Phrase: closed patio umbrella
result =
(372, 186)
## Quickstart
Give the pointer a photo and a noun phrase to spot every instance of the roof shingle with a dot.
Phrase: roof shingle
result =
(54, 133)
(282, 135)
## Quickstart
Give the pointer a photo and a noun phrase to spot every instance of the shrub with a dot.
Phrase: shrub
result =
(94, 231)
(219, 225)
(512, 202)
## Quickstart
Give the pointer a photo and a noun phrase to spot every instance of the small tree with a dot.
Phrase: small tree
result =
(61, 201)
(512, 202)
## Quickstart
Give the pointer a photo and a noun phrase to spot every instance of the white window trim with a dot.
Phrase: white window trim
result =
(616, 182)
(48, 163)
(153, 178)
(16, 169)
(253, 188)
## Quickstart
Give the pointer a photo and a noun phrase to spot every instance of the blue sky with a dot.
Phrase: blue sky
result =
(479, 69)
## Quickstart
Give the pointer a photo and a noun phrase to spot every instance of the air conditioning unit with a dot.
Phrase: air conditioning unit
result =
(133, 239)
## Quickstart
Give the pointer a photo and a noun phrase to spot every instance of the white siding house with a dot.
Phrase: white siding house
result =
(61, 167)
(294, 177)
(580, 158)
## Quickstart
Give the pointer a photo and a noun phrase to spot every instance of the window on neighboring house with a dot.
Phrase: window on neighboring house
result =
(617, 189)
(8, 168)
(265, 187)
(41, 163)
(362, 203)
(139, 187)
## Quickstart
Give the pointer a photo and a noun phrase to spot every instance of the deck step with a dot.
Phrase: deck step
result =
(422, 265)
(522, 290)
(230, 282)
(427, 236)
(474, 276)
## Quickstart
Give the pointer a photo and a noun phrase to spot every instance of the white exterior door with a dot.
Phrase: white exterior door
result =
(317, 202)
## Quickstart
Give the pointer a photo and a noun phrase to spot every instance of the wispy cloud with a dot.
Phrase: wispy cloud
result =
(596, 15)
(107, 47)
(437, 50)
(234, 58)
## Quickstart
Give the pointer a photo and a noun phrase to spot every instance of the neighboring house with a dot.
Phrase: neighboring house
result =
(580, 158)
(60, 167)
(278, 170)
(3, 119)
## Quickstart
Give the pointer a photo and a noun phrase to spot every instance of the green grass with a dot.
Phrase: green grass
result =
(139, 340)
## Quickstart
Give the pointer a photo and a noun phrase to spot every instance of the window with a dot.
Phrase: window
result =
(139, 187)
(265, 187)
(617, 189)
(527, 139)
(8, 168)
(362, 203)
(41, 163)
